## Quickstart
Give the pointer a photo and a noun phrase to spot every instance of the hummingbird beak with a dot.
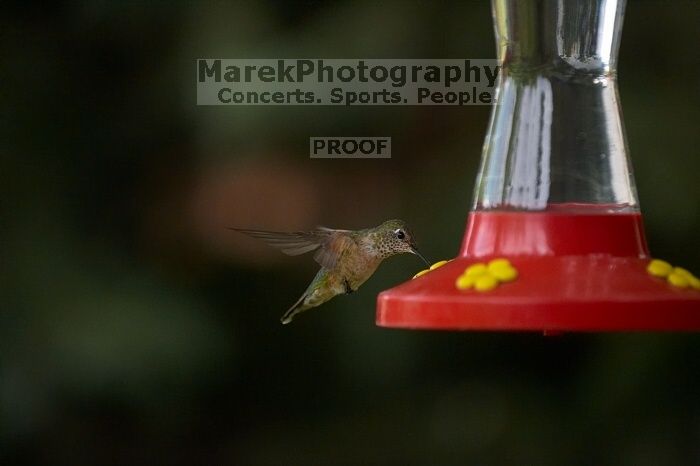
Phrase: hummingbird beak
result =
(415, 251)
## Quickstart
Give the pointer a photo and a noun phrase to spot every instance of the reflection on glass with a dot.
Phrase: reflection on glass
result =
(557, 138)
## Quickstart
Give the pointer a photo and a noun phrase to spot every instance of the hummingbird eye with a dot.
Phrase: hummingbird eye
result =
(400, 234)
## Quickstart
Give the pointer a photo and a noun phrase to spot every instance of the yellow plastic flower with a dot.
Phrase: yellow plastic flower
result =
(464, 282)
(477, 269)
(486, 277)
(421, 273)
(502, 270)
(675, 276)
(432, 267)
(437, 264)
(485, 282)
(678, 280)
(659, 268)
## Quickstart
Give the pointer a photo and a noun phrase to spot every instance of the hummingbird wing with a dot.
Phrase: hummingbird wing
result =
(293, 244)
(329, 244)
(336, 243)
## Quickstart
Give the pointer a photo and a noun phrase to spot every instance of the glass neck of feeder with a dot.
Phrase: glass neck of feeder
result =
(556, 137)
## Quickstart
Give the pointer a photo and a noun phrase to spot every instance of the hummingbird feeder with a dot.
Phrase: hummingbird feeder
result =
(555, 199)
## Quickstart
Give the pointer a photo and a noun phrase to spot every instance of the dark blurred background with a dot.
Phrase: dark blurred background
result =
(136, 329)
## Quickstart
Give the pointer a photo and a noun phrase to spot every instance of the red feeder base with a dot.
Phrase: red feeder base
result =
(577, 272)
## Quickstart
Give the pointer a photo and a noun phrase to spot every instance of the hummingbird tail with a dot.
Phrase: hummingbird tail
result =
(294, 310)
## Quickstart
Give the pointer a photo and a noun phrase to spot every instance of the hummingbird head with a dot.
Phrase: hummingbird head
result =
(396, 238)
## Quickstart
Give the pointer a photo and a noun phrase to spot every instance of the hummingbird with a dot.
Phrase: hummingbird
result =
(347, 258)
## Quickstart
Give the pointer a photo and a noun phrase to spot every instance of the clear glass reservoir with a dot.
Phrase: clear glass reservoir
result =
(556, 139)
